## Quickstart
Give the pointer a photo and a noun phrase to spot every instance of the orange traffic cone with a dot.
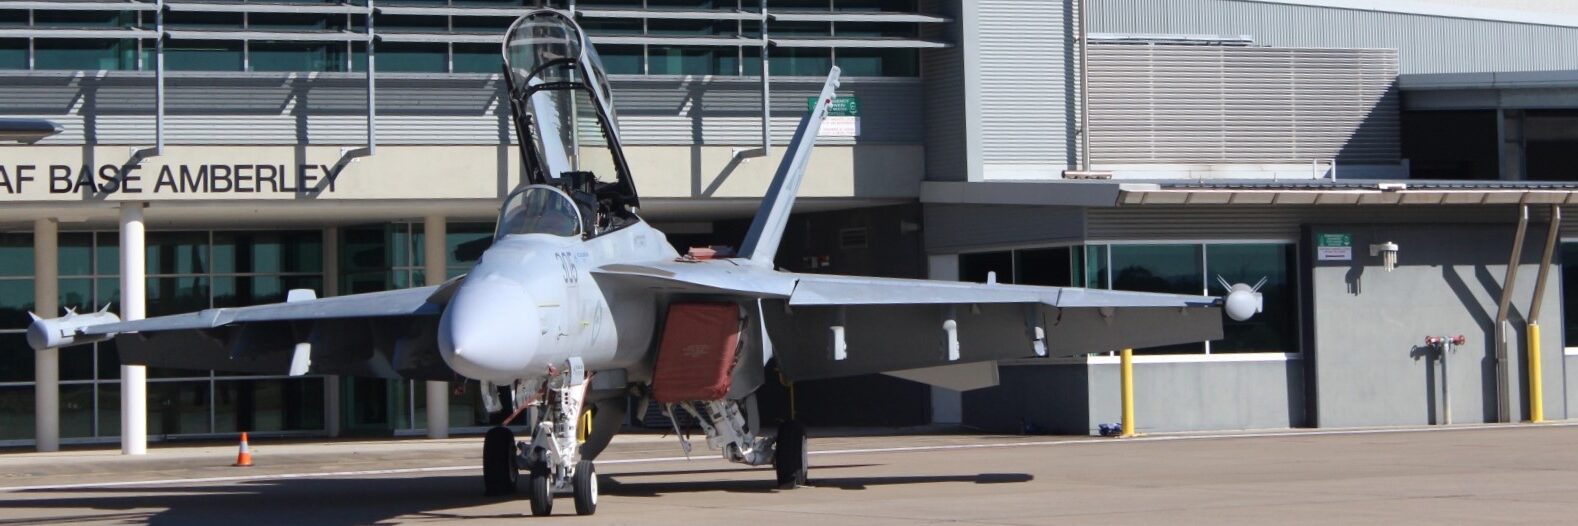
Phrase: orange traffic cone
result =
(244, 458)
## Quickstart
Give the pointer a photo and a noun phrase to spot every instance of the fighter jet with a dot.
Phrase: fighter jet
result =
(579, 306)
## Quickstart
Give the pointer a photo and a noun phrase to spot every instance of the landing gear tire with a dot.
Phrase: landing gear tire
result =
(500, 473)
(541, 483)
(585, 485)
(790, 457)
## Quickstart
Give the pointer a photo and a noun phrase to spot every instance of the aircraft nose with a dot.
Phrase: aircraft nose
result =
(489, 330)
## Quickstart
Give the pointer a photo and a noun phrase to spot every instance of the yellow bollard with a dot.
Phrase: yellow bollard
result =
(1126, 378)
(1536, 383)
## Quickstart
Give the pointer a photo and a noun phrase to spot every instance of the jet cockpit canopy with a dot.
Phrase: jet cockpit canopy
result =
(564, 116)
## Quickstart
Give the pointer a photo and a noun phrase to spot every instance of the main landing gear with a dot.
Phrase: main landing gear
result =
(552, 459)
(730, 431)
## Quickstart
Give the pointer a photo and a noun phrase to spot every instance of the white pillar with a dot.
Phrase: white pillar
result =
(46, 363)
(134, 378)
(434, 232)
(331, 287)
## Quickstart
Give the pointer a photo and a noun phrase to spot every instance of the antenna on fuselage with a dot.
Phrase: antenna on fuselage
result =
(767, 229)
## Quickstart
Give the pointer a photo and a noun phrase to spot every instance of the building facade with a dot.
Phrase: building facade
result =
(1177, 141)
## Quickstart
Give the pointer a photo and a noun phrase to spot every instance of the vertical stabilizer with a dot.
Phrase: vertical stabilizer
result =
(761, 243)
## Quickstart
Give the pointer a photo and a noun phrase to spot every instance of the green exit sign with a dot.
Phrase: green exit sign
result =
(841, 107)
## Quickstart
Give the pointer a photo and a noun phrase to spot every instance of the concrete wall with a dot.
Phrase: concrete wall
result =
(1172, 393)
(1368, 325)
(1202, 395)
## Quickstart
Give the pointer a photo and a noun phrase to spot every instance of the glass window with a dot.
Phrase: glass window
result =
(540, 210)
(84, 54)
(412, 57)
(192, 20)
(201, 55)
(16, 254)
(16, 18)
(479, 58)
(974, 267)
(874, 29)
(297, 56)
(1172, 269)
(1047, 267)
(16, 359)
(620, 60)
(902, 6)
(878, 62)
(294, 21)
(177, 295)
(674, 60)
(803, 62)
(1096, 267)
(801, 5)
(16, 409)
(13, 53)
(1570, 293)
(413, 24)
(688, 27)
(76, 410)
(1276, 328)
(268, 405)
(177, 253)
(608, 26)
(688, 4)
(268, 251)
(16, 300)
(241, 291)
(107, 254)
(75, 293)
(109, 409)
(488, 24)
(802, 29)
(75, 254)
(178, 407)
(82, 19)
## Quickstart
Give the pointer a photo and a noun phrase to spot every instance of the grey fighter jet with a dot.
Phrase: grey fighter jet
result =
(580, 306)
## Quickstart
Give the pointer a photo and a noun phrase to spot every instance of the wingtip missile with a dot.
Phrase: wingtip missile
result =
(67, 330)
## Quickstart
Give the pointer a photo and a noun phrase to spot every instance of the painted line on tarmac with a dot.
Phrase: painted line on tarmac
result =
(940, 447)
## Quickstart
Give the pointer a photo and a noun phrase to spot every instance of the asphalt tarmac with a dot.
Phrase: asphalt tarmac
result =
(1465, 475)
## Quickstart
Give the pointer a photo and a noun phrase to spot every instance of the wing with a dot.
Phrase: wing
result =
(824, 326)
(382, 334)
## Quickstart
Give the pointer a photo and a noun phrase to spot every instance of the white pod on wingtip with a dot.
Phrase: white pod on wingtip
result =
(65, 330)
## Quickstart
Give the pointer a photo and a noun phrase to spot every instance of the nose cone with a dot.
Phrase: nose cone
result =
(489, 330)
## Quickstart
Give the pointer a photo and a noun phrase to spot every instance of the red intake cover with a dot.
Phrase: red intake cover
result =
(696, 355)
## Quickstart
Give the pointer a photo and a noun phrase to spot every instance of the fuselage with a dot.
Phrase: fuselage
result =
(530, 303)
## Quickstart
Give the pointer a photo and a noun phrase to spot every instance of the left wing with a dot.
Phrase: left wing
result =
(389, 334)
(824, 326)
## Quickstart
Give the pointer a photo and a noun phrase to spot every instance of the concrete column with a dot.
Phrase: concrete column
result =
(134, 378)
(947, 405)
(434, 232)
(46, 363)
(331, 287)
(1509, 129)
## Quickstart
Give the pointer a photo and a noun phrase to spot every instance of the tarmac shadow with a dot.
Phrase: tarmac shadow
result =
(297, 502)
(611, 485)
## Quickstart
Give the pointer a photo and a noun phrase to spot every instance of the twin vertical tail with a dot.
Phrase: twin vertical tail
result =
(767, 229)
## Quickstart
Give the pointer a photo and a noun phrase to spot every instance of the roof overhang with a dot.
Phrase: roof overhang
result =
(1102, 194)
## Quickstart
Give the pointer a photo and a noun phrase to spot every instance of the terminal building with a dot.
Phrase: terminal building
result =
(1388, 168)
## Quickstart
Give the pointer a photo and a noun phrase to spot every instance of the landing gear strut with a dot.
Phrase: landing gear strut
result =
(554, 454)
(734, 431)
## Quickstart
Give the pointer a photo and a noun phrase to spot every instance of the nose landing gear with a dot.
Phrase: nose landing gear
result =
(553, 456)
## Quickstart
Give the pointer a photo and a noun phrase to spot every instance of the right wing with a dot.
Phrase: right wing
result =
(389, 334)
(824, 326)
